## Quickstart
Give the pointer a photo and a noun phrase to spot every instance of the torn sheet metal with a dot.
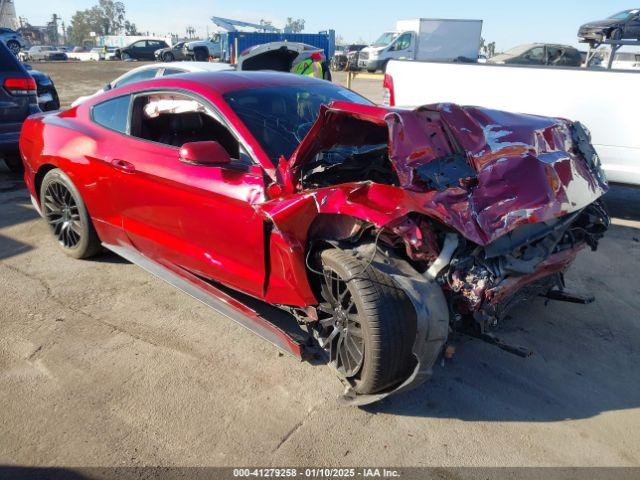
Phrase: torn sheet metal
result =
(520, 168)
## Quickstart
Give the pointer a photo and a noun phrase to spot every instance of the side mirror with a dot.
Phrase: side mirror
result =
(204, 153)
(107, 87)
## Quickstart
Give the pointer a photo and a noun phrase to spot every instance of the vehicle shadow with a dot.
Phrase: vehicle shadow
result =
(16, 209)
(579, 369)
(41, 473)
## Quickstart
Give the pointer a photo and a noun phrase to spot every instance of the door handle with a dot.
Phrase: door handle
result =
(123, 166)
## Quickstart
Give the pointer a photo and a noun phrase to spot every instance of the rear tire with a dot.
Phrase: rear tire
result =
(14, 163)
(369, 311)
(14, 47)
(67, 216)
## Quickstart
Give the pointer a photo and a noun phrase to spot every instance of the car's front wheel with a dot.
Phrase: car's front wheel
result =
(168, 57)
(201, 54)
(125, 56)
(615, 34)
(366, 323)
(67, 216)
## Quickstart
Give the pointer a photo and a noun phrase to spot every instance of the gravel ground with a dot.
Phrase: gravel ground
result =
(102, 364)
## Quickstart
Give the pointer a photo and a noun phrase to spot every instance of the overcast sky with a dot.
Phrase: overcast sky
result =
(508, 23)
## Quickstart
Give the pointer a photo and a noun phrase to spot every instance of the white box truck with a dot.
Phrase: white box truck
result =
(424, 39)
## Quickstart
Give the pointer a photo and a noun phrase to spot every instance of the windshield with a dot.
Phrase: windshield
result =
(622, 15)
(385, 39)
(279, 117)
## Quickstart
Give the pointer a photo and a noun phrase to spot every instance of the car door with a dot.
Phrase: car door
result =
(533, 56)
(138, 49)
(632, 29)
(152, 46)
(403, 47)
(195, 217)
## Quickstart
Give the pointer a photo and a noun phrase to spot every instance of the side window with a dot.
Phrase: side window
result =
(176, 119)
(155, 44)
(137, 76)
(555, 55)
(112, 114)
(138, 45)
(403, 42)
(172, 71)
(535, 55)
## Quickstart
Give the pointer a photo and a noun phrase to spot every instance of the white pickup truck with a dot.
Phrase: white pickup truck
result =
(201, 50)
(607, 102)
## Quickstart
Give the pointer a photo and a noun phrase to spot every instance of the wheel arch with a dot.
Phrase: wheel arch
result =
(329, 230)
(39, 177)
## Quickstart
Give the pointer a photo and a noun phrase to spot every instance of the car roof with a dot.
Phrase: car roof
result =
(187, 66)
(226, 81)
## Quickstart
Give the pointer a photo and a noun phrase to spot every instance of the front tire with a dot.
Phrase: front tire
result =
(367, 324)
(615, 34)
(67, 216)
(125, 56)
(168, 57)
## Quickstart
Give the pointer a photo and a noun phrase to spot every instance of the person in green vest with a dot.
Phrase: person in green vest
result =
(311, 67)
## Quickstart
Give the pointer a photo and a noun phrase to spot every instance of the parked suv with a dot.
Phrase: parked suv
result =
(18, 97)
(47, 94)
(540, 54)
(141, 50)
(12, 39)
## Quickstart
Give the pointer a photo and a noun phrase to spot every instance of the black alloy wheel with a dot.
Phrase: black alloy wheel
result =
(67, 216)
(61, 212)
(340, 330)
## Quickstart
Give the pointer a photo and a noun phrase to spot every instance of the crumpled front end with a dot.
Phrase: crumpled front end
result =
(489, 206)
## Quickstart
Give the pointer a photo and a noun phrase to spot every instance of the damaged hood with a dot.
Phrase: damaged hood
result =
(482, 172)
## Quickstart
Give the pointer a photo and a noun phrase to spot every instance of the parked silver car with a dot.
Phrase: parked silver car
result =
(44, 53)
(171, 54)
(12, 39)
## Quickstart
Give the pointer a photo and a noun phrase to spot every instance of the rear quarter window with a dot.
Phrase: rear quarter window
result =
(112, 114)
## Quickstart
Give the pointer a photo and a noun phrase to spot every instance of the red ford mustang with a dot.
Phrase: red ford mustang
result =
(322, 222)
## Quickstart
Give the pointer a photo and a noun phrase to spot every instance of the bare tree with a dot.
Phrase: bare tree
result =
(294, 26)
